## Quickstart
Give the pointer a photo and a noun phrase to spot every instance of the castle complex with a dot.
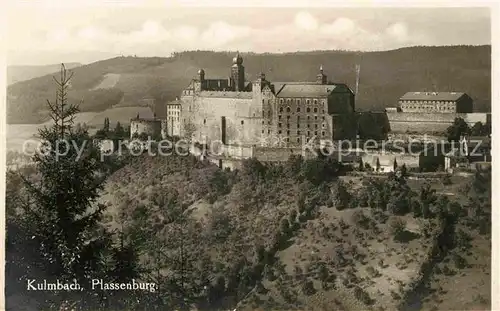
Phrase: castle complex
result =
(264, 113)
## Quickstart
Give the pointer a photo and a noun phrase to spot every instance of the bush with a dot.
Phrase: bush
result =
(308, 288)
(362, 296)
(396, 226)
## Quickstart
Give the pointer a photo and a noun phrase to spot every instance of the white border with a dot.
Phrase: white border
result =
(495, 96)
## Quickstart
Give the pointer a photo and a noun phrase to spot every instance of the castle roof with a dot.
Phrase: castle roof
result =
(451, 96)
(226, 94)
(175, 102)
(303, 89)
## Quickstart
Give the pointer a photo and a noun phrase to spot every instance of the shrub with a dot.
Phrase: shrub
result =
(308, 288)
(396, 226)
(362, 295)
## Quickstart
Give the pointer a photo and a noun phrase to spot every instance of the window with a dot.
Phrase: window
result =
(288, 117)
(242, 122)
(315, 101)
(315, 117)
(288, 101)
(298, 109)
(315, 110)
(281, 101)
(323, 118)
(308, 133)
(298, 139)
(268, 131)
(309, 125)
(298, 132)
(323, 111)
(279, 132)
(262, 102)
(308, 101)
(323, 133)
(269, 113)
(288, 125)
(281, 109)
(287, 139)
(308, 109)
(315, 126)
(262, 131)
(298, 118)
(204, 121)
(308, 117)
(298, 125)
(288, 109)
(298, 101)
(263, 114)
(262, 122)
(279, 124)
(315, 133)
(288, 132)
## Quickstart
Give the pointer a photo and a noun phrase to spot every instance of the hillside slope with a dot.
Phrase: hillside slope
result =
(22, 73)
(290, 240)
(384, 77)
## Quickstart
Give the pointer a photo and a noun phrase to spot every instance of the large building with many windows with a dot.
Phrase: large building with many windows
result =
(265, 113)
(436, 102)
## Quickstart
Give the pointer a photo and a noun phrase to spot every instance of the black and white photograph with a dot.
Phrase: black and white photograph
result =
(237, 157)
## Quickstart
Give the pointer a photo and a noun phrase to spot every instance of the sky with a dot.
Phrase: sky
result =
(58, 32)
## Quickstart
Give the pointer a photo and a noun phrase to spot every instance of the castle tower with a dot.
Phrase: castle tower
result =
(238, 73)
(201, 75)
(321, 77)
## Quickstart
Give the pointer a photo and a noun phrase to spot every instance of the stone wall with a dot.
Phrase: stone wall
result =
(150, 127)
(243, 119)
(268, 154)
(406, 122)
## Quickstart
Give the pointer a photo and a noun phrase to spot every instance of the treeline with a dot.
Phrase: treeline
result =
(384, 78)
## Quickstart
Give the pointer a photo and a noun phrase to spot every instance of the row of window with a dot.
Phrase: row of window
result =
(428, 107)
(308, 109)
(298, 125)
(269, 113)
(173, 118)
(176, 113)
(298, 101)
(308, 133)
(427, 102)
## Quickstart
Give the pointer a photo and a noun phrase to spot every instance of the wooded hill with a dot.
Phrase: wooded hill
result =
(384, 77)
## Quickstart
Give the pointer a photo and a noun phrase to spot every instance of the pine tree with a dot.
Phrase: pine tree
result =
(106, 125)
(119, 131)
(63, 216)
(395, 164)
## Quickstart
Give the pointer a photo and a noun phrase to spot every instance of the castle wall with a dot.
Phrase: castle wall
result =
(150, 127)
(243, 118)
(269, 154)
(402, 122)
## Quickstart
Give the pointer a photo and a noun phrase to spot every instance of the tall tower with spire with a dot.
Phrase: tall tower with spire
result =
(238, 73)
(321, 77)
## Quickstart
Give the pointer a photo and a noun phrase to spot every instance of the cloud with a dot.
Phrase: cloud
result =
(305, 21)
(156, 35)
(399, 31)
